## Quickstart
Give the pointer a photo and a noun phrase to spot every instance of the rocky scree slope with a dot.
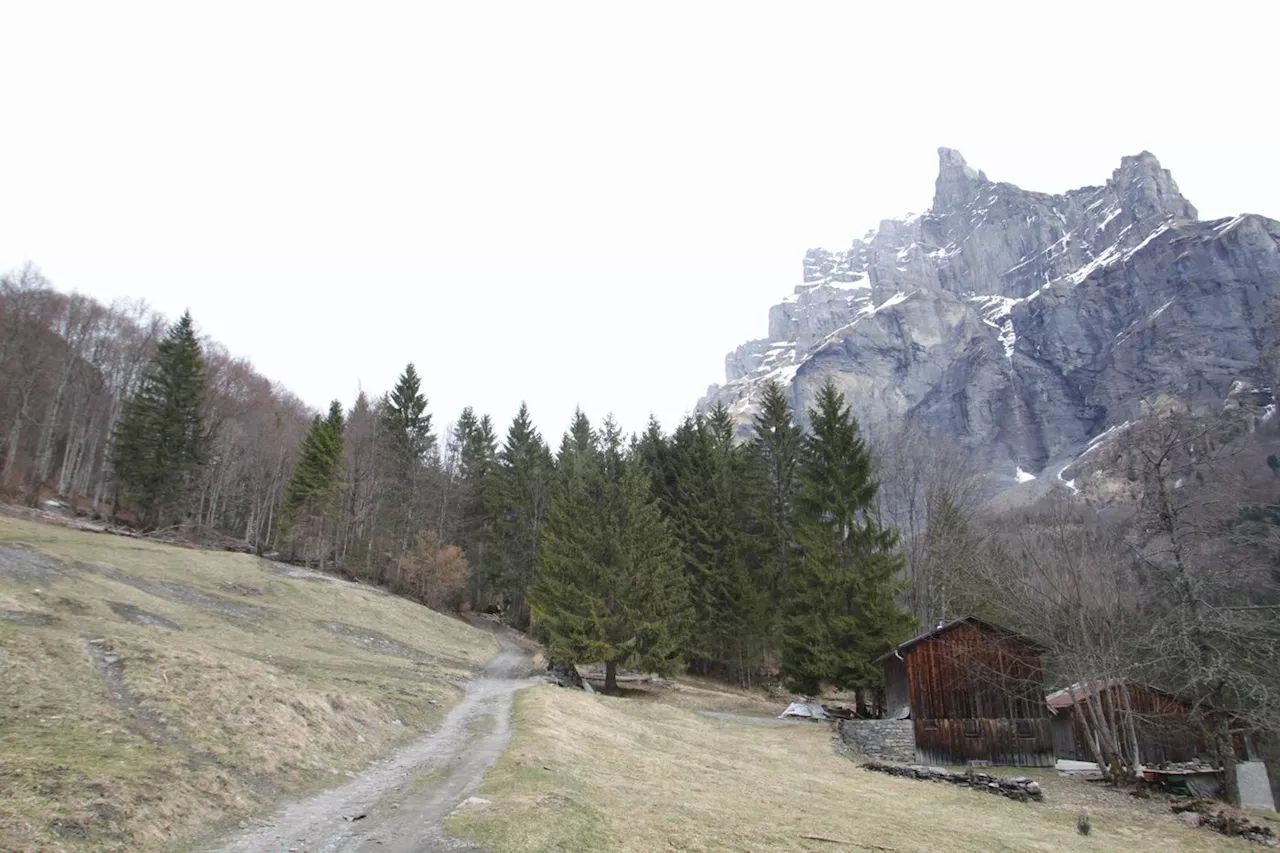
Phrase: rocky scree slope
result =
(1022, 324)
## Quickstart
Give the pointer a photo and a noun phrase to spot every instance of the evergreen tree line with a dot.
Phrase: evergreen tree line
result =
(733, 557)
(695, 548)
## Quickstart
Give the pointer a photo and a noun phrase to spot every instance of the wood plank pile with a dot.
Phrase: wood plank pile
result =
(1020, 788)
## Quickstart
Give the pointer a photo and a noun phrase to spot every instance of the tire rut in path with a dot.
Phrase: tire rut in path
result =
(399, 815)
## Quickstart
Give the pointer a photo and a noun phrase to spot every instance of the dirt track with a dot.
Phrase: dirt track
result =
(402, 801)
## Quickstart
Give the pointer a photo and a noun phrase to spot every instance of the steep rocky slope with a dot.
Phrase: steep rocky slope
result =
(1024, 324)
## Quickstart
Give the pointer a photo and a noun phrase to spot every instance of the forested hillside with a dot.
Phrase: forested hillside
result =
(657, 550)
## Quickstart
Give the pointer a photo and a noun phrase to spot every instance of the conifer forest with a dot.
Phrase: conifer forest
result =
(658, 551)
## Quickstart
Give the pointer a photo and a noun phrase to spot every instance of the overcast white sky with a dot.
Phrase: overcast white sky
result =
(567, 203)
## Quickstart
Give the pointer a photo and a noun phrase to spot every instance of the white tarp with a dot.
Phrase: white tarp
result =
(804, 709)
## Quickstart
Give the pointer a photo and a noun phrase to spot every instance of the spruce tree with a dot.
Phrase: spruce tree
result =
(711, 510)
(406, 418)
(478, 455)
(777, 441)
(314, 488)
(517, 496)
(160, 442)
(653, 453)
(609, 586)
(478, 459)
(840, 611)
(408, 444)
(362, 479)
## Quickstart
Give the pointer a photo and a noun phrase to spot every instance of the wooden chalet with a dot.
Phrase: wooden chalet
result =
(1162, 722)
(974, 693)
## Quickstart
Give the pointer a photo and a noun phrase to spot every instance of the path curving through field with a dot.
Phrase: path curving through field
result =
(405, 798)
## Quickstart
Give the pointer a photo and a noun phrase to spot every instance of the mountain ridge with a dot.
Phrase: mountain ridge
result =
(1024, 324)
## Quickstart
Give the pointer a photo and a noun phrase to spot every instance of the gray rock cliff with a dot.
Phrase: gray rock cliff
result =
(1024, 324)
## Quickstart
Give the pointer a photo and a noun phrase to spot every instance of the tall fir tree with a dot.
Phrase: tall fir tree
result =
(406, 417)
(478, 461)
(777, 440)
(408, 444)
(517, 497)
(362, 475)
(161, 440)
(711, 511)
(840, 611)
(315, 480)
(653, 453)
(313, 491)
(609, 585)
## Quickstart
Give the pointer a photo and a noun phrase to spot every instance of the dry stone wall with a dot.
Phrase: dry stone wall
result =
(889, 740)
(1021, 788)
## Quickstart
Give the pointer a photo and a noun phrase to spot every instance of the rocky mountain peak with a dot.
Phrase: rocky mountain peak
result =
(1023, 324)
(1148, 190)
(957, 183)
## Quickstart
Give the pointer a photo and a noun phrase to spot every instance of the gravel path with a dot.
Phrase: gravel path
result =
(401, 814)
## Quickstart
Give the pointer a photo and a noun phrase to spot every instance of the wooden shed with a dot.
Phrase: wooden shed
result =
(974, 692)
(1162, 722)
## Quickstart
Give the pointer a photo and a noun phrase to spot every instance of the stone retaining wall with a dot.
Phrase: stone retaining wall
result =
(890, 740)
(1021, 788)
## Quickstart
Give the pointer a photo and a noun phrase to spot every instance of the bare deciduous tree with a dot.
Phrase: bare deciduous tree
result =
(930, 490)
(1059, 574)
(1214, 633)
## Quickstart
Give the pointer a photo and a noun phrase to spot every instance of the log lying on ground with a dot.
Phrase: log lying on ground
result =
(1020, 788)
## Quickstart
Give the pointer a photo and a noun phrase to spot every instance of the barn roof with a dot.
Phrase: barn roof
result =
(1060, 699)
(945, 627)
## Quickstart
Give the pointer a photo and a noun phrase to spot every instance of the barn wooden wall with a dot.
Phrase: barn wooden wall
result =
(1162, 723)
(897, 693)
(1015, 743)
(978, 696)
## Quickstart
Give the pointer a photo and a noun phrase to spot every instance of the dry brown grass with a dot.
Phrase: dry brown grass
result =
(706, 694)
(273, 686)
(597, 773)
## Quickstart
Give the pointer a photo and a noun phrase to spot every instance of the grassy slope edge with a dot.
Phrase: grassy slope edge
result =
(150, 692)
(591, 772)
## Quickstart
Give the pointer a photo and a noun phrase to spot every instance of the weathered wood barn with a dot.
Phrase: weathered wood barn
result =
(974, 693)
(1161, 722)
